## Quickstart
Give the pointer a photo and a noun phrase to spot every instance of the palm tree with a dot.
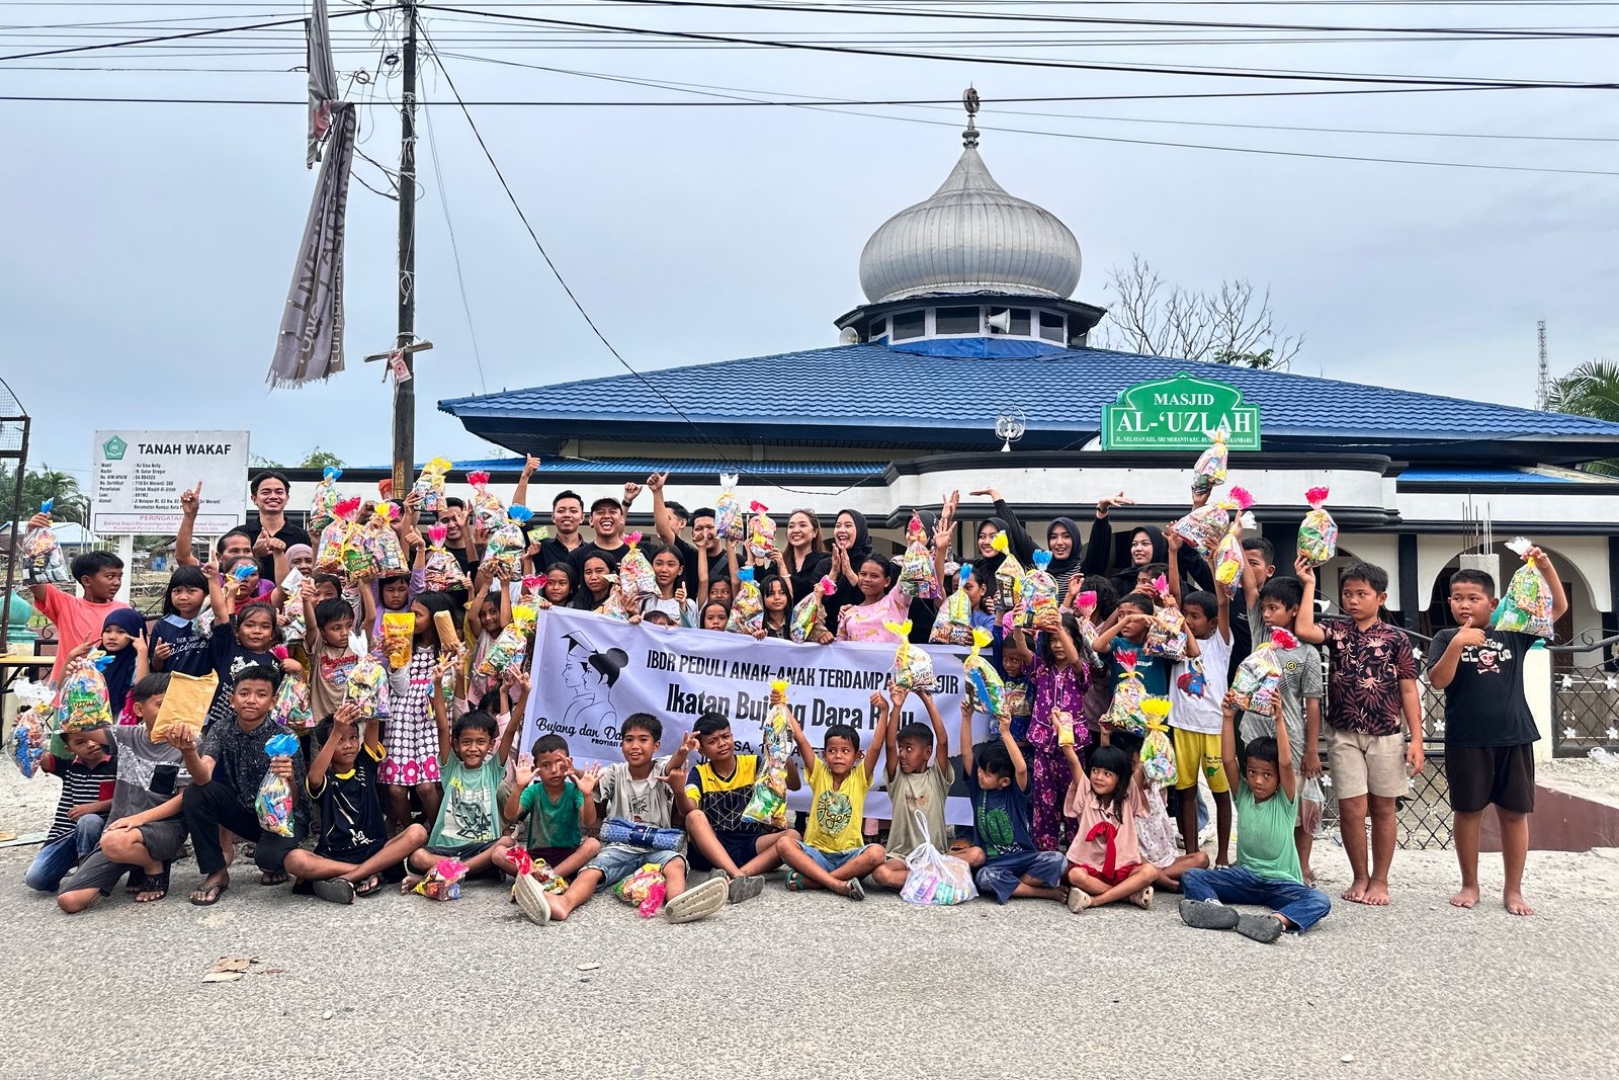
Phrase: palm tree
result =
(1592, 389)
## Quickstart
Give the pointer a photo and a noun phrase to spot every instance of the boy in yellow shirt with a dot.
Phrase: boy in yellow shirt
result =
(832, 854)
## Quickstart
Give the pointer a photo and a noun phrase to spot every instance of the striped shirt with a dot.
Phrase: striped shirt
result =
(80, 784)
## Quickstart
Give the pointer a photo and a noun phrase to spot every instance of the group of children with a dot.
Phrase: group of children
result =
(1062, 807)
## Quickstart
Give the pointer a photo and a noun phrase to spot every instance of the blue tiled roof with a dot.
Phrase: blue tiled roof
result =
(621, 467)
(891, 397)
(1490, 476)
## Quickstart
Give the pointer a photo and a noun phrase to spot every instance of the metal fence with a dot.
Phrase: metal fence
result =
(1585, 699)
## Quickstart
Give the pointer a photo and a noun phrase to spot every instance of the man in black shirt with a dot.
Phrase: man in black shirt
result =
(607, 521)
(670, 519)
(272, 533)
(567, 513)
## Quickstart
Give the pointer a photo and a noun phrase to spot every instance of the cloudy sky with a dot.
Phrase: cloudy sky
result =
(149, 246)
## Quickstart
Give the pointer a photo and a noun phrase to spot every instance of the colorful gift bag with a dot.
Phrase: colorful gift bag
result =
(809, 614)
(768, 803)
(1318, 533)
(1228, 556)
(1157, 752)
(932, 878)
(274, 802)
(379, 536)
(1210, 470)
(443, 881)
(1259, 677)
(1526, 606)
(748, 606)
(441, 570)
(42, 560)
(954, 625)
(508, 541)
(1166, 636)
(985, 688)
(761, 532)
(430, 486)
(635, 578)
(334, 537)
(510, 645)
(322, 506)
(917, 576)
(367, 686)
(913, 667)
(642, 890)
(728, 523)
(291, 707)
(1129, 692)
(1204, 527)
(81, 697)
(1037, 593)
(1008, 576)
(487, 509)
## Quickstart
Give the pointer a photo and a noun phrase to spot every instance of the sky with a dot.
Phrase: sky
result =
(150, 246)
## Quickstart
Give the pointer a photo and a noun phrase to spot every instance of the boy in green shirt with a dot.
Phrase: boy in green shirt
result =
(555, 805)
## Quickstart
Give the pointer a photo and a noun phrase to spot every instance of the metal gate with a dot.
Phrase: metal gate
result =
(1585, 699)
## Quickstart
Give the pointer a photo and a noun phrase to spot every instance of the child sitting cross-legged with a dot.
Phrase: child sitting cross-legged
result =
(81, 811)
(1267, 869)
(919, 779)
(716, 794)
(1105, 864)
(353, 847)
(1007, 862)
(639, 790)
(554, 806)
(833, 854)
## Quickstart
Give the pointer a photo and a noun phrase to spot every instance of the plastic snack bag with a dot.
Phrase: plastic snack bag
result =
(932, 878)
(329, 552)
(1210, 470)
(1085, 609)
(291, 706)
(809, 614)
(985, 687)
(443, 882)
(1166, 636)
(955, 623)
(28, 739)
(1037, 593)
(916, 572)
(511, 644)
(761, 532)
(1228, 556)
(1318, 533)
(618, 831)
(615, 606)
(768, 803)
(398, 631)
(748, 607)
(642, 890)
(728, 523)
(441, 569)
(367, 686)
(322, 507)
(1257, 679)
(274, 802)
(508, 541)
(913, 667)
(1157, 752)
(1205, 526)
(42, 560)
(1526, 606)
(1126, 713)
(635, 578)
(430, 486)
(383, 542)
(487, 509)
(1156, 835)
(1311, 801)
(1008, 576)
(81, 698)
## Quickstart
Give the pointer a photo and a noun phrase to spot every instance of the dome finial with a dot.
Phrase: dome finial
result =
(969, 100)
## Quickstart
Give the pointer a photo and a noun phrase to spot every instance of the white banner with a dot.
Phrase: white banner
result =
(591, 672)
(140, 474)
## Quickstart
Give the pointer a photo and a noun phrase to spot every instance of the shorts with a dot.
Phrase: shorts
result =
(615, 862)
(1002, 874)
(740, 847)
(1118, 875)
(1363, 763)
(1481, 775)
(354, 856)
(460, 852)
(551, 856)
(831, 861)
(1194, 751)
(163, 840)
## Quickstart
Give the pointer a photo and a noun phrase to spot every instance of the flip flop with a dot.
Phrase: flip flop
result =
(272, 879)
(136, 882)
(153, 883)
(334, 891)
(857, 891)
(529, 896)
(698, 903)
(745, 888)
(211, 894)
(370, 886)
(794, 881)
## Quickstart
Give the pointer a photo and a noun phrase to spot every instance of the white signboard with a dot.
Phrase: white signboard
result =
(139, 476)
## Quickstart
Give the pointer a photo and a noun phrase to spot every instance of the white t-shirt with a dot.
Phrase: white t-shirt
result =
(1200, 712)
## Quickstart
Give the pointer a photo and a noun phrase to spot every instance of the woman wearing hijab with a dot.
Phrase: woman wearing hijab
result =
(851, 543)
(1147, 545)
(1018, 540)
(123, 637)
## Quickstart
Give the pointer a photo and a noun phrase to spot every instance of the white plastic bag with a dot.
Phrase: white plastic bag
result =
(1311, 800)
(935, 879)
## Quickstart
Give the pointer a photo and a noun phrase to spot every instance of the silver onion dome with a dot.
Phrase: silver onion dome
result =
(970, 237)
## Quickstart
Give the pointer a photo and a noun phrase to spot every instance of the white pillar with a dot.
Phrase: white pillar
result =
(126, 552)
(1537, 687)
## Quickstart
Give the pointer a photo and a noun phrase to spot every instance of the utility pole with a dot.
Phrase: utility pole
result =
(1543, 386)
(405, 389)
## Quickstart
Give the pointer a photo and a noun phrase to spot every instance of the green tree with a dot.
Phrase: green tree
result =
(1592, 389)
(72, 504)
(320, 459)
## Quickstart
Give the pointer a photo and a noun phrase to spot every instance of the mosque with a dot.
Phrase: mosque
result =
(972, 289)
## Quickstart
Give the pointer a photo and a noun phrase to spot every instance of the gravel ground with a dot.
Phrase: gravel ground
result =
(811, 985)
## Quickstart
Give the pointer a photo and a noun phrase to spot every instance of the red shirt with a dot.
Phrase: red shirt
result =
(76, 619)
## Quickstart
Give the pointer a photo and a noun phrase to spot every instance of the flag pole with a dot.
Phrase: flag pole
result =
(404, 418)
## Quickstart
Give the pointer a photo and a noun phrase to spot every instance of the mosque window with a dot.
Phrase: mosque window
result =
(957, 320)
(912, 324)
(1053, 327)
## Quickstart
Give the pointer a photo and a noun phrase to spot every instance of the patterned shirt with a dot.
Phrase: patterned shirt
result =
(81, 784)
(1057, 688)
(1367, 667)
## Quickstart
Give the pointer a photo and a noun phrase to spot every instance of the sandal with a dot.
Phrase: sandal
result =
(795, 881)
(209, 895)
(370, 886)
(268, 879)
(334, 891)
(137, 881)
(154, 887)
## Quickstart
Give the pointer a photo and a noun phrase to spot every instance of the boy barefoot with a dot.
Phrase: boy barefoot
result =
(919, 779)
(832, 854)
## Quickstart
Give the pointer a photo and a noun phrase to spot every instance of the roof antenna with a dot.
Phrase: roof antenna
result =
(969, 101)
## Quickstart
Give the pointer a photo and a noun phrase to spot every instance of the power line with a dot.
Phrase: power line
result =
(455, 249)
(174, 37)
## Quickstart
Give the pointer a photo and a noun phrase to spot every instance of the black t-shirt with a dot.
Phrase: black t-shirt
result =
(552, 551)
(1485, 703)
(584, 551)
(351, 824)
(289, 534)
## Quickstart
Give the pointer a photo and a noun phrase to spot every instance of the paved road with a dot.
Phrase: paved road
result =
(812, 985)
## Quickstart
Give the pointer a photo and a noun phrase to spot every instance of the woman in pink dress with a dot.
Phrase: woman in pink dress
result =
(881, 601)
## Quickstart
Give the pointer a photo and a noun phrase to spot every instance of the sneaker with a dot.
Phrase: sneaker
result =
(1209, 915)
(530, 897)
(697, 903)
(744, 888)
(1078, 899)
(1261, 928)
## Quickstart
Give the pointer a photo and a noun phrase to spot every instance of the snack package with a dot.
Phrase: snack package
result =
(508, 540)
(615, 606)
(1008, 576)
(292, 608)
(42, 561)
(443, 882)
(486, 509)
(1311, 801)
(1126, 713)
(1085, 609)
(642, 890)
(511, 644)
(635, 578)
(398, 632)
(985, 688)
(531, 592)
(1260, 676)
(442, 570)
(322, 507)
(1318, 533)
(274, 802)
(1157, 752)
(1166, 636)
(368, 686)
(291, 706)
(932, 878)
(913, 667)
(809, 614)
(1526, 606)
(81, 697)
(1037, 593)
(28, 739)
(1228, 556)
(430, 486)
(954, 625)
(768, 803)
(1204, 527)
(1156, 835)
(728, 523)
(748, 606)
(761, 532)
(334, 537)
(383, 542)
(1210, 470)
(185, 704)
(916, 572)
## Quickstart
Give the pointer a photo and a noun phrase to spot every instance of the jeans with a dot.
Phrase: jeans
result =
(206, 807)
(55, 859)
(1298, 903)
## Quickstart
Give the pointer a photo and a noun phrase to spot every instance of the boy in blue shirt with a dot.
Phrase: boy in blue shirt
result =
(1007, 862)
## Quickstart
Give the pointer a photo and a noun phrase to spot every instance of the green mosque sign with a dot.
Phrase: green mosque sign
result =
(1179, 414)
